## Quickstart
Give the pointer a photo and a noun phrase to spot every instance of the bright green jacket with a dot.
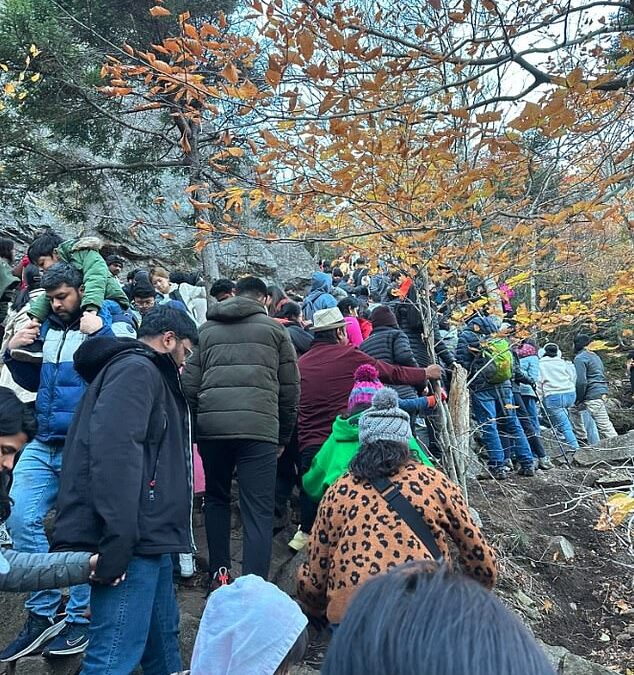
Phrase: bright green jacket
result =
(99, 284)
(334, 456)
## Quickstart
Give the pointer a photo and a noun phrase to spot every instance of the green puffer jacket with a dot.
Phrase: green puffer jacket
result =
(99, 284)
(242, 380)
(332, 460)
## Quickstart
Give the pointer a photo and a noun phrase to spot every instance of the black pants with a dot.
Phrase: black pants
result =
(288, 469)
(256, 462)
(308, 508)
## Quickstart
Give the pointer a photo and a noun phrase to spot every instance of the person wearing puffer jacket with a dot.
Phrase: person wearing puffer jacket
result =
(557, 383)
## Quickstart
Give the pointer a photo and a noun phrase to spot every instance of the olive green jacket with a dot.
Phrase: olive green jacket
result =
(99, 284)
(242, 380)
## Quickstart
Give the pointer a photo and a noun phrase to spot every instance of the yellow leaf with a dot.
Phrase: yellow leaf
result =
(4, 67)
(615, 510)
(34, 51)
(9, 89)
(36, 77)
(157, 10)
(235, 152)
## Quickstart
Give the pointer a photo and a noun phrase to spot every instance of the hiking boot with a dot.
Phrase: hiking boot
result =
(500, 472)
(36, 631)
(300, 540)
(186, 564)
(30, 353)
(72, 639)
(222, 577)
(546, 463)
(528, 471)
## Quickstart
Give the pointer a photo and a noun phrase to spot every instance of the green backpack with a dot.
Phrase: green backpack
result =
(498, 352)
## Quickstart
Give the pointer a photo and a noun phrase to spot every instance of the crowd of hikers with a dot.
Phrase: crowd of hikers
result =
(113, 392)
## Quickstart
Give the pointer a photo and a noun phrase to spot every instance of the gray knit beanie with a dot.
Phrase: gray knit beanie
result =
(384, 421)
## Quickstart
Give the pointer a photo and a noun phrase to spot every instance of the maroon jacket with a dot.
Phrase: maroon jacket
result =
(327, 377)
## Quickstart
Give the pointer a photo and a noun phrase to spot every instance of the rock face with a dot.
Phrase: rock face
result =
(286, 264)
(610, 451)
(566, 663)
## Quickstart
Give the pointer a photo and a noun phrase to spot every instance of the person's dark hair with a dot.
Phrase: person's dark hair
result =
(360, 262)
(45, 244)
(61, 273)
(327, 336)
(295, 653)
(289, 310)
(531, 342)
(379, 459)
(162, 319)
(222, 287)
(336, 272)
(6, 249)
(114, 258)
(143, 290)
(32, 277)
(630, 355)
(252, 287)
(551, 349)
(277, 295)
(132, 274)
(15, 417)
(346, 305)
(419, 614)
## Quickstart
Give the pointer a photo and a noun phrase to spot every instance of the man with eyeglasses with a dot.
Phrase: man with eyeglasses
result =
(126, 491)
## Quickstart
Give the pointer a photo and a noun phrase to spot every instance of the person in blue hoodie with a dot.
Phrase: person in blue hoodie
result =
(492, 403)
(36, 477)
(320, 296)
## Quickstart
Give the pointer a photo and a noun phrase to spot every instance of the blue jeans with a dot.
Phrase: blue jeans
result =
(34, 491)
(502, 432)
(135, 622)
(557, 407)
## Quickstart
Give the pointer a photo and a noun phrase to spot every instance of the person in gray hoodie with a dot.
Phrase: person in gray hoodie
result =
(591, 391)
(21, 571)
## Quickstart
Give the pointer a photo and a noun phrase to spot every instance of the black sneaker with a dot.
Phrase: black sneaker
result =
(30, 353)
(37, 630)
(500, 472)
(528, 471)
(72, 639)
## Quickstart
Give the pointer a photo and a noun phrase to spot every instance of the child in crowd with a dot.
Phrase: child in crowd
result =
(249, 627)
(332, 461)
(20, 571)
(83, 254)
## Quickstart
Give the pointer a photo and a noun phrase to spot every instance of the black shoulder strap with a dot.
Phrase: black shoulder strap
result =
(399, 502)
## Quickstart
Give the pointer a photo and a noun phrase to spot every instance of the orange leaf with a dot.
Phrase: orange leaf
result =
(306, 44)
(230, 73)
(157, 10)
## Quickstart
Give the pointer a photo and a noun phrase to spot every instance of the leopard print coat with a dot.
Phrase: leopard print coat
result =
(357, 535)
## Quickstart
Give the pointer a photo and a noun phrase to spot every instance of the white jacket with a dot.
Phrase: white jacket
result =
(556, 375)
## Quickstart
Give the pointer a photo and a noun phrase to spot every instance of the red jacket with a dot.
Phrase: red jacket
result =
(327, 376)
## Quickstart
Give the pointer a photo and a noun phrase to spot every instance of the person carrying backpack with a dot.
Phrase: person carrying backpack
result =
(489, 363)
(320, 296)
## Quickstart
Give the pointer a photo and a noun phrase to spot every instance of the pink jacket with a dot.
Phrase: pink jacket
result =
(354, 331)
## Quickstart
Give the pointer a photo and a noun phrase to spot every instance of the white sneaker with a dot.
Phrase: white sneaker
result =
(300, 540)
(545, 463)
(186, 563)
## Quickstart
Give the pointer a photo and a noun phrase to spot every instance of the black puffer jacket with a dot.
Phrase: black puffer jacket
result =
(409, 320)
(126, 486)
(391, 345)
(242, 380)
